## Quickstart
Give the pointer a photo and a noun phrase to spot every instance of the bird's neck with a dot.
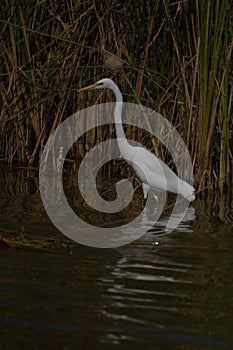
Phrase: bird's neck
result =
(121, 137)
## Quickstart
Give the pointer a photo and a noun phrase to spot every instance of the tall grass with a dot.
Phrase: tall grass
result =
(175, 57)
(215, 107)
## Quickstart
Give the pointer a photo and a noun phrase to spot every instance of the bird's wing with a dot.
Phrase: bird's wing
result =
(152, 170)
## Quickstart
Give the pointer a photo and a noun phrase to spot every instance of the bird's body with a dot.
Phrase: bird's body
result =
(151, 171)
(156, 175)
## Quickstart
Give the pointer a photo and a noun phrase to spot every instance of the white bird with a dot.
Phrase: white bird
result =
(151, 171)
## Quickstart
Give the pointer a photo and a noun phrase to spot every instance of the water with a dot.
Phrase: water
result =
(176, 294)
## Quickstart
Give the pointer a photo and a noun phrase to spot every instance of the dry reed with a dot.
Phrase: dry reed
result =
(175, 57)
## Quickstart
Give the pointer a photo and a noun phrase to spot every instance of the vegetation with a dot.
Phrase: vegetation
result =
(173, 56)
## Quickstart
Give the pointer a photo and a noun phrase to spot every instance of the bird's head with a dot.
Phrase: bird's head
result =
(101, 84)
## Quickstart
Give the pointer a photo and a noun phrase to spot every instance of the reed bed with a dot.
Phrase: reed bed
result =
(172, 56)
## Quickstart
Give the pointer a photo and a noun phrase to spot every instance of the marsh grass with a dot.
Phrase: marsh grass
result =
(175, 57)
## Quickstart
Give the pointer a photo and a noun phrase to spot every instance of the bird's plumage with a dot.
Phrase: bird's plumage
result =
(151, 171)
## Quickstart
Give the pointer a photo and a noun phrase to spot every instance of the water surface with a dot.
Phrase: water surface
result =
(162, 292)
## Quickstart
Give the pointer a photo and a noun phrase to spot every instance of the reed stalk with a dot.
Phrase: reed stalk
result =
(215, 56)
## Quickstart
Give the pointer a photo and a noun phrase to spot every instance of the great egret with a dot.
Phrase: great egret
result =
(151, 171)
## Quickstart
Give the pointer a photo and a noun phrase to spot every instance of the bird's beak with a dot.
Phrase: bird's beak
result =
(89, 87)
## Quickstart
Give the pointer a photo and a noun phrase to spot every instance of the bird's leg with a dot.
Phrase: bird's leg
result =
(145, 189)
